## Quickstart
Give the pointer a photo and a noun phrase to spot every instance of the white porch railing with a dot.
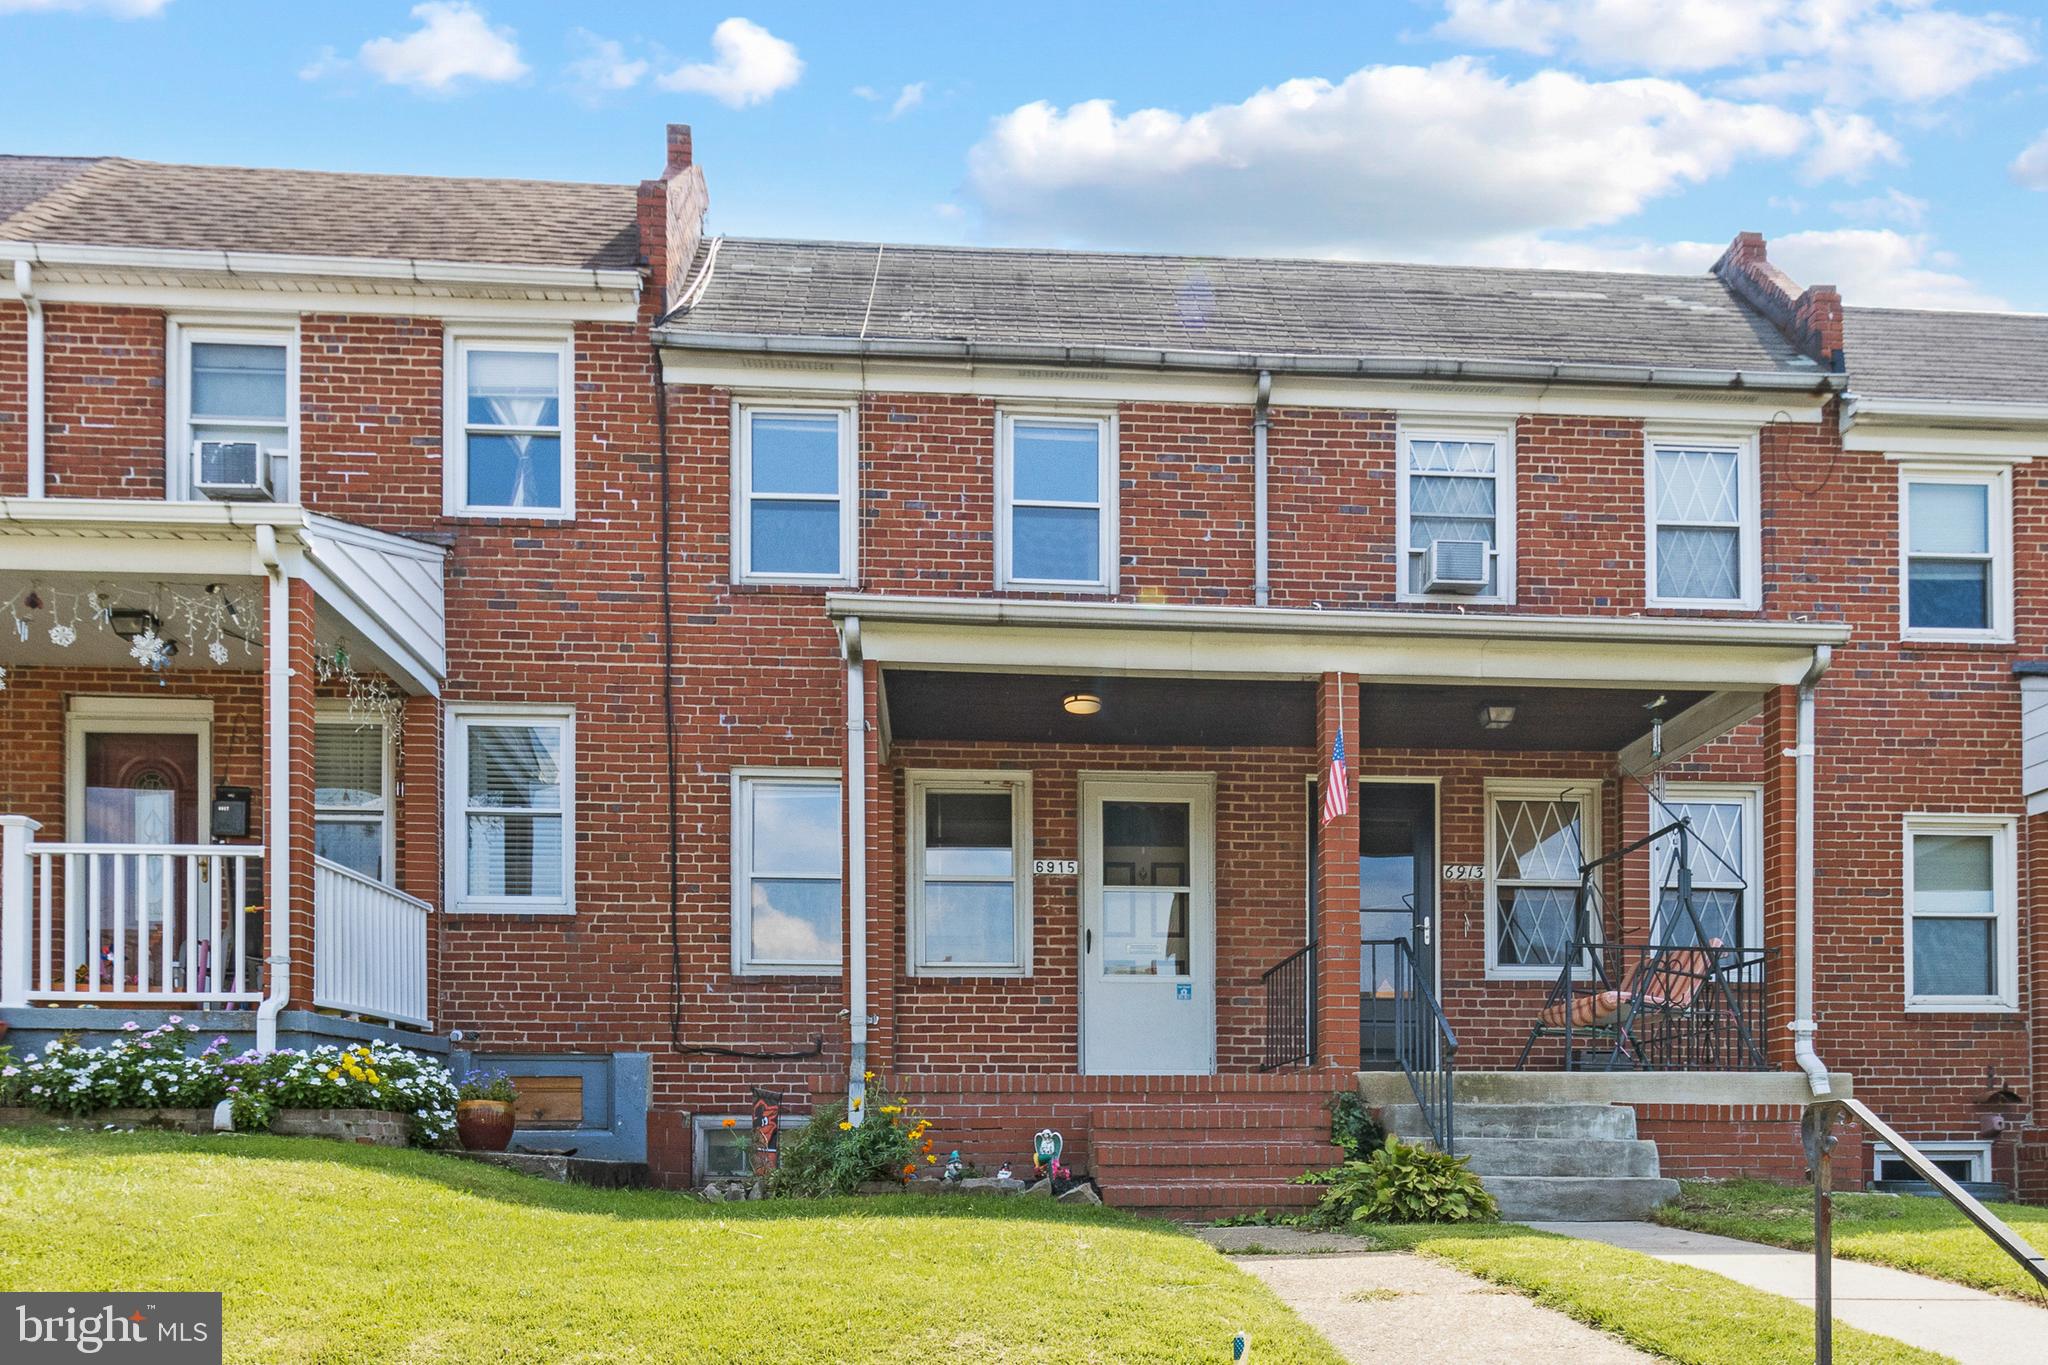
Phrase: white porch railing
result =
(127, 924)
(369, 946)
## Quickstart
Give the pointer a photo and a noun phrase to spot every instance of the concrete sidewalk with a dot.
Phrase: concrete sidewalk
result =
(1965, 1324)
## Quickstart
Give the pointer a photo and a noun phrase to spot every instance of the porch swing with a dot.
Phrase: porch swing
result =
(1675, 1005)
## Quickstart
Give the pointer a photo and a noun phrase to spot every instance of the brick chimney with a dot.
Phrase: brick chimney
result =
(671, 217)
(1810, 318)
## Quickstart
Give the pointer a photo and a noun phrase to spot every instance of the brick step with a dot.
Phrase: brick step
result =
(1196, 1197)
(1292, 1157)
(1258, 1137)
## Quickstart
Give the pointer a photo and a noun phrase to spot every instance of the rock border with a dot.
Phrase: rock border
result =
(368, 1127)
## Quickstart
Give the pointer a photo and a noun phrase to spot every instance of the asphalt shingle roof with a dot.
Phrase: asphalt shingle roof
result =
(1230, 305)
(1912, 353)
(25, 179)
(117, 202)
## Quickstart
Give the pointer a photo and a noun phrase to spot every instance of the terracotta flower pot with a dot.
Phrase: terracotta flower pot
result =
(484, 1125)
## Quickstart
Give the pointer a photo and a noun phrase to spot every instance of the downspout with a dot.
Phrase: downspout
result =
(1262, 588)
(24, 284)
(1803, 1026)
(857, 870)
(277, 649)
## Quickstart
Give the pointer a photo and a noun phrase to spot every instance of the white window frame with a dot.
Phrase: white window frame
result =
(1409, 429)
(1588, 795)
(1750, 796)
(743, 413)
(1978, 1152)
(702, 1126)
(455, 782)
(457, 343)
(1107, 478)
(919, 784)
(743, 781)
(181, 333)
(1997, 480)
(1749, 529)
(338, 715)
(2003, 832)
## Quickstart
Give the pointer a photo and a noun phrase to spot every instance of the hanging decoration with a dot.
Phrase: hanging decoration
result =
(371, 699)
(213, 615)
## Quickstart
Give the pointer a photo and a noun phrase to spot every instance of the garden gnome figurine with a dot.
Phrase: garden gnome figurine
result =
(953, 1167)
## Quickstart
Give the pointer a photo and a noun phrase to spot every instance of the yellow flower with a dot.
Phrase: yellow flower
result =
(931, 1161)
(731, 1123)
(844, 1125)
(867, 1075)
(334, 1075)
(856, 1104)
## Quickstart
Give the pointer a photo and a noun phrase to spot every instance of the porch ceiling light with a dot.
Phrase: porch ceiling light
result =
(129, 622)
(1496, 715)
(1079, 703)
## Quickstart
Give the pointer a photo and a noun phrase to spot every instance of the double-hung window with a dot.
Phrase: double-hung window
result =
(1057, 520)
(794, 495)
(511, 427)
(232, 387)
(1962, 921)
(970, 900)
(1955, 538)
(1538, 835)
(1725, 853)
(511, 809)
(1704, 546)
(352, 793)
(786, 897)
(1456, 493)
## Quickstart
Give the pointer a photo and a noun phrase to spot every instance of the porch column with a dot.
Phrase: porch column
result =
(419, 823)
(288, 799)
(1780, 845)
(16, 915)
(1337, 935)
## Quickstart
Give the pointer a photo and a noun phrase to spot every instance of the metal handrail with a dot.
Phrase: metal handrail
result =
(1816, 1129)
(1290, 990)
(1426, 1047)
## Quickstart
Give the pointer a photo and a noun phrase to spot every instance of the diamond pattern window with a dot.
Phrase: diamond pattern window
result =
(1726, 889)
(1702, 534)
(1453, 487)
(1537, 847)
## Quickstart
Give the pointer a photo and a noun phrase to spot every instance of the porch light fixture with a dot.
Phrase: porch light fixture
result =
(129, 622)
(1496, 715)
(1080, 703)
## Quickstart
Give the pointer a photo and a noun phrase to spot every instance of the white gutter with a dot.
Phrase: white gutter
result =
(24, 285)
(1143, 357)
(273, 263)
(277, 803)
(1970, 411)
(1803, 1026)
(1262, 587)
(856, 870)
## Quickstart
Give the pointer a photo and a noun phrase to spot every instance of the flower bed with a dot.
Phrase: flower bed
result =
(152, 1071)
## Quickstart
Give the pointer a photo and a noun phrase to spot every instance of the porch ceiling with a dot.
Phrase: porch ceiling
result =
(1587, 719)
(1024, 708)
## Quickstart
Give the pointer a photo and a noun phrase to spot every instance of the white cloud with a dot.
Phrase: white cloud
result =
(1879, 266)
(1840, 51)
(752, 65)
(1391, 159)
(604, 68)
(118, 9)
(907, 99)
(454, 42)
(1894, 205)
(1847, 146)
(2030, 168)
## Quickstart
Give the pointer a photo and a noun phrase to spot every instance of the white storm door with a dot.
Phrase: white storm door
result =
(1148, 926)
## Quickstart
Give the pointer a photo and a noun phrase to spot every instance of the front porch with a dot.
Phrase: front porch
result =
(212, 712)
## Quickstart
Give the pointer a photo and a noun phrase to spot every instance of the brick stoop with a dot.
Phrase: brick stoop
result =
(1196, 1162)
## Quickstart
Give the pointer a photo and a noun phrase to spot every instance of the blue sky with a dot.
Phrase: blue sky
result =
(1897, 148)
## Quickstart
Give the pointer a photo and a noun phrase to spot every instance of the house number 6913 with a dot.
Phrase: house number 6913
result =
(1464, 872)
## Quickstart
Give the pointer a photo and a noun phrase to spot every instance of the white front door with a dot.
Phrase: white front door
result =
(1148, 926)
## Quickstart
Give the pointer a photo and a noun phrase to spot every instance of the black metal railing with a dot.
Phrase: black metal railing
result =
(1290, 987)
(1657, 1007)
(1426, 1048)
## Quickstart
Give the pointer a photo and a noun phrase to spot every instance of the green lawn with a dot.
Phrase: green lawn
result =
(1677, 1312)
(1923, 1235)
(335, 1253)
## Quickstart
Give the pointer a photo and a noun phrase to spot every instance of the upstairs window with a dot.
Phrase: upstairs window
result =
(1955, 537)
(235, 385)
(510, 429)
(1703, 542)
(1456, 515)
(793, 514)
(1962, 939)
(1058, 493)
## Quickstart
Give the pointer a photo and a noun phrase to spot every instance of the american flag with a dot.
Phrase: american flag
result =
(1336, 787)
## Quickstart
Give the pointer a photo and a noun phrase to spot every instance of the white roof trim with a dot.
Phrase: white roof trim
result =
(276, 264)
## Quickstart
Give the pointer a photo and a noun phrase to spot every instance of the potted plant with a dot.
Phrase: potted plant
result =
(483, 1111)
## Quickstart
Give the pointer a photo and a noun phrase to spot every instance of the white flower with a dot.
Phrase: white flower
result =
(130, 1026)
(62, 636)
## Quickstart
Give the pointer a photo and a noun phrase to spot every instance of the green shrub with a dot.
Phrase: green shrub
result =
(11, 1083)
(1353, 1129)
(1404, 1183)
(830, 1155)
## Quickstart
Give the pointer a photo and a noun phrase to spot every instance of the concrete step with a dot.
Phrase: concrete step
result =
(1578, 1199)
(1598, 1121)
(1491, 1156)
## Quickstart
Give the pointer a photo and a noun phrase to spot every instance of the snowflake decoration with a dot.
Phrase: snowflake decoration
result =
(217, 652)
(21, 629)
(151, 651)
(63, 636)
(3, 678)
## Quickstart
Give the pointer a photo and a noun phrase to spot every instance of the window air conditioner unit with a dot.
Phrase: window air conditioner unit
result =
(231, 469)
(1456, 566)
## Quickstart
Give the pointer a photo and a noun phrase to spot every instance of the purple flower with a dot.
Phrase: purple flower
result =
(130, 1026)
